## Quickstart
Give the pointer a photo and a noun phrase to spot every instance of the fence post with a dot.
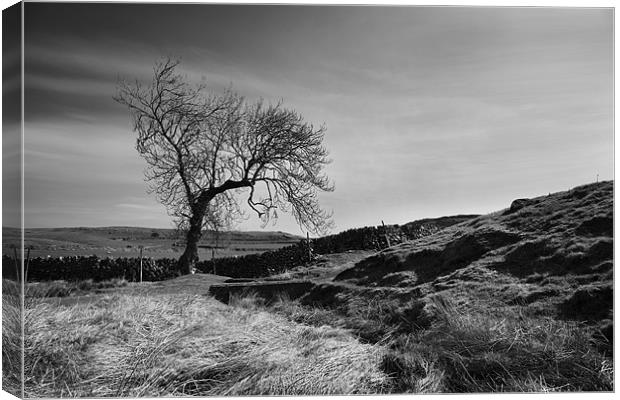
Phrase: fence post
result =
(27, 265)
(309, 249)
(141, 247)
(387, 238)
(213, 260)
(18, 275)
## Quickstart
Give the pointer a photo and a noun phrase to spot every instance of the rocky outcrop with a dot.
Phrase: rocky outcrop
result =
(518, 204)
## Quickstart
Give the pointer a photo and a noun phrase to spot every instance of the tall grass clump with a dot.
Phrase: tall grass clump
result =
(494, 348)
(11, 338)
(134, 345)
(372, 319)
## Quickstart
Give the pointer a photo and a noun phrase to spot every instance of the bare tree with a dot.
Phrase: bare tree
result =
(204, 150)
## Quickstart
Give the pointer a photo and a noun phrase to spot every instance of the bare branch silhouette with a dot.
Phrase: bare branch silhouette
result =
(203, 150)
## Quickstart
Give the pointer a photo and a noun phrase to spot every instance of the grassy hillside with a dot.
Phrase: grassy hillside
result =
(554, 253)
(118, 241)
(517, 300)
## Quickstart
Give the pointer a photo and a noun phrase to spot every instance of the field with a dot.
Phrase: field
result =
(519, 300)
(125, 241)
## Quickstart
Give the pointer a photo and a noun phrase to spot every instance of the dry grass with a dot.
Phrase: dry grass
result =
(11, 338)
(491, 347)
(61, 288)
(128, 345)
(132, 345)
(374, 317)
(473, 346)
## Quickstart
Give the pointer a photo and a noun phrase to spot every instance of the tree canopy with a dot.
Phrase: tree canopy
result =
(204, 150)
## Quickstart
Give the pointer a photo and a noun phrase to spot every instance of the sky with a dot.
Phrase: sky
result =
(430, 111)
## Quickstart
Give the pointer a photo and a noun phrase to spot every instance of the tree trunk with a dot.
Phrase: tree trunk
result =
(190, 257)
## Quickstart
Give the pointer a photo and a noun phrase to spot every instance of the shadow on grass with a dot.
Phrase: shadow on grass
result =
(489, 346)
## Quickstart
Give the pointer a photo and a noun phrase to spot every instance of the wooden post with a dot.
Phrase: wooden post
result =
(18, 275)
(141, 264)
(308, 244)
(215, 246)
(213, 260)
(387, 238)
(27, 264)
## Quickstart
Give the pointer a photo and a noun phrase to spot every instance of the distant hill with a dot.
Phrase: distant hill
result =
(124, 241)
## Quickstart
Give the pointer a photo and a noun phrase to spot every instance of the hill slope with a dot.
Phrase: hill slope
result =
(518, 300)
(553, 252)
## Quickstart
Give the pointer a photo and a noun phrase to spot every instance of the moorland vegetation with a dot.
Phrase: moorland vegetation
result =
(519, 300)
